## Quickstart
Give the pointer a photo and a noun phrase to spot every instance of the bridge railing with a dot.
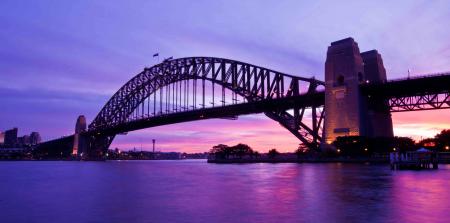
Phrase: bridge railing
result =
(420, 76)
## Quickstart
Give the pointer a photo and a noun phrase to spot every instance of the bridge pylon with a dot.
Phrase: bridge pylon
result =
(79, 141)
(89, 145)
(346, 108)
(97, 146)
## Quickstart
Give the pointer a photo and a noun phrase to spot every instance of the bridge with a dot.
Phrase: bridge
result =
(356, 98)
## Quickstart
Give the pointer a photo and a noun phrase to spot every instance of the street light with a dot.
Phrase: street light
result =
(447, 147)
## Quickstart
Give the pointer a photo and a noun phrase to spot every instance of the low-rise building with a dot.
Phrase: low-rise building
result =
(35, 138)
(2, 137)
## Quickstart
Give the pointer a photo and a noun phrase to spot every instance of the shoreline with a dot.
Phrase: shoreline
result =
(292, 160)
(242, 161)
(310, 160)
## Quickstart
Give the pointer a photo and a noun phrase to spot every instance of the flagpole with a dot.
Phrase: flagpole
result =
(156, 55)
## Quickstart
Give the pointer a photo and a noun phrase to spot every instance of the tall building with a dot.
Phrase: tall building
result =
(11, 137)
(2, 137)
(24, 140)
(35, 138)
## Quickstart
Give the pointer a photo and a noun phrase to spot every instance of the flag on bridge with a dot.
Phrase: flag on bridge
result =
(156, 55)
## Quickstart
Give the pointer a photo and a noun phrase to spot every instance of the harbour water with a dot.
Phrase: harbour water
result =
(194, 191)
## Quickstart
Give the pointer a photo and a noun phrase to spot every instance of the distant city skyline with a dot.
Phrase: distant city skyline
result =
(60, 60)
(11, 138)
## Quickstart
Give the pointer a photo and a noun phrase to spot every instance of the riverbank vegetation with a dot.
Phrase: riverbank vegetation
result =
(357, 146)
(349, 146)
(240, 150)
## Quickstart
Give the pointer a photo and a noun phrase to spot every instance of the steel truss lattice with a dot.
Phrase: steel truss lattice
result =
(420, 102)
(179, 79)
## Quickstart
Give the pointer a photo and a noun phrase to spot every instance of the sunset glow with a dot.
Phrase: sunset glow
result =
(61, 60)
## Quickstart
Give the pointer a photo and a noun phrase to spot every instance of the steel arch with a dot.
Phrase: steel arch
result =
(252, 82)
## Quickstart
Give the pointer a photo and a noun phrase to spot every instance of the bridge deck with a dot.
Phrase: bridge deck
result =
(307, 100)
(409, 87)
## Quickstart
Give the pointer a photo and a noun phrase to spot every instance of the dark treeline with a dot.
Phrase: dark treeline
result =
(440, 142)
(238, 151)
(357, 145)
(351, 146)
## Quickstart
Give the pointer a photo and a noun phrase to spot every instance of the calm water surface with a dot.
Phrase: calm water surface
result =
(194, 191)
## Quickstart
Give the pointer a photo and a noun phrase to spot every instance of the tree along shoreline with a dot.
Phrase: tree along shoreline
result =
(348, 149)
(290, 159)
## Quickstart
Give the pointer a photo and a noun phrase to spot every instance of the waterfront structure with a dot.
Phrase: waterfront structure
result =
(420, 159)
(356, 95)
(11, 137)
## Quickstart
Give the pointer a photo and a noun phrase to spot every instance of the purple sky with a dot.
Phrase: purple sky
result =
(59, 59)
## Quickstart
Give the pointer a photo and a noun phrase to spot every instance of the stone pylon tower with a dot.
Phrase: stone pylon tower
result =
(346, 109)
(78, 143)
(379, 120)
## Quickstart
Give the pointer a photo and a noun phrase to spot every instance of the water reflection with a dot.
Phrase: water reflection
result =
(194, 191)
(425, 194)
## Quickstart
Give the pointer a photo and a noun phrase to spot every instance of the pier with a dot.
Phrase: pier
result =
(417, 160)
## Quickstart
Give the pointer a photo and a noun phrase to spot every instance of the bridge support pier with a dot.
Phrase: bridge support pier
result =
(348, 112)
(379, 121)
(96, 147)
(79, 141)
(89, 146)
